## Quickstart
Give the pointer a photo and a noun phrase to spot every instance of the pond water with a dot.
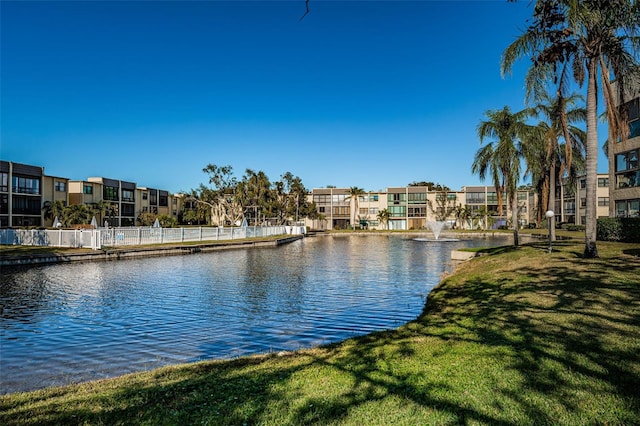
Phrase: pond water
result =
(70, 323)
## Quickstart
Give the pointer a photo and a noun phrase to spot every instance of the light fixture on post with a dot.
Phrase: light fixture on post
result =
(549, 214)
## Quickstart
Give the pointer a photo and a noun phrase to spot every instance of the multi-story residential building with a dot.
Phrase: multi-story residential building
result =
(23, 191)
(118, 194)
(571, 201)
(624, 166)
(154, 201)
(412, 207)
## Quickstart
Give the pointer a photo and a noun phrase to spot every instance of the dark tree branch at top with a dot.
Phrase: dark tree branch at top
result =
(306, 3)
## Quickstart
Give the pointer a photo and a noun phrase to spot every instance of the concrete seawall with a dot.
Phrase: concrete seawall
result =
(128, 253)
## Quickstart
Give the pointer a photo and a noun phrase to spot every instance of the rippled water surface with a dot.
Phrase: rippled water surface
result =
(76, 322)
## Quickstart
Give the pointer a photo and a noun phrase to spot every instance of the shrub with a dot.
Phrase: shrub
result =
(608, 229)
(630, 229)
(625, 229)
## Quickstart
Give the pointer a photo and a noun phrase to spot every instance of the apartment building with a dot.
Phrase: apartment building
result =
(24, 190)
(624, 167)
(571, 200)
(412, 207)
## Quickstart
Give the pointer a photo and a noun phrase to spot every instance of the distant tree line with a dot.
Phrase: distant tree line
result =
(253, 199)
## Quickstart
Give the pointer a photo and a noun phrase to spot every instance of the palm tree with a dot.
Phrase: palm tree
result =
(354, 193)
(103, 209)
(77, 214)
(547, 158)
(462, 214)
(501, 157)
(383, 216)
(482, 215)
(590, 40)
(53, 209)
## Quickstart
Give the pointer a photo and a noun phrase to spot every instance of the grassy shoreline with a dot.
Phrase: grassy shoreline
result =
(515, 337)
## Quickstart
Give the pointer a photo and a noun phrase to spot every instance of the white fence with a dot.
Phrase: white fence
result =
(114, 237)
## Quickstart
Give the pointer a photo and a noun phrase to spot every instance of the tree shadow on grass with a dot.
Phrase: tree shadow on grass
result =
(574, 330)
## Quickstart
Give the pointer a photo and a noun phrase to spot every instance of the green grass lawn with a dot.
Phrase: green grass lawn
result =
(515, 337)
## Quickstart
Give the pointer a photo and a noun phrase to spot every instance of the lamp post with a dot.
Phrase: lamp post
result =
(549, 214)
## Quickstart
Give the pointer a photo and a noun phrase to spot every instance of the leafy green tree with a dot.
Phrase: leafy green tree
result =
(290, 199)
(220, 196)
(167, 221)
(255, 196)
(146, 219)
(500, 157)
(592, 41)
(431, 186)
(445, 206)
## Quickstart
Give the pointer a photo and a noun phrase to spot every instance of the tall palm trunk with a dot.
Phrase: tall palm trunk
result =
(552, 196)
(514, 219)
(590, 249)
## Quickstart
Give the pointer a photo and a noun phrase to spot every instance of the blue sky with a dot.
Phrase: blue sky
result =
(358, 93)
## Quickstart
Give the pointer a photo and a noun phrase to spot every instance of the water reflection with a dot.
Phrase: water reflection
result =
(75, 322)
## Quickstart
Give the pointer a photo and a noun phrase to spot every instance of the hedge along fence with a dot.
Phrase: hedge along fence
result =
(623, 229)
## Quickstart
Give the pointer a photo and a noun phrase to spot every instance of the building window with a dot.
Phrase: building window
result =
(145, 195)
(627, 161)
(628, 179)
(627, 169)
(583, 183)
(417, 212)
(397, 211)
(603, 201)
(110, 193)
(632, 109)
(338, 198)
(418, 198)
(24, 185)
(475, 197)
(341, 211)
(603, 182)
(87, 189)
(26, 205)
(492, 197)
(321, 209)
(60, 186)
(583, 202)
(164, 201)
(4, 182)
(4, 203)
(128, 210)
(628, 208)
(127, 195)
(569, 207)
(396, 198)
